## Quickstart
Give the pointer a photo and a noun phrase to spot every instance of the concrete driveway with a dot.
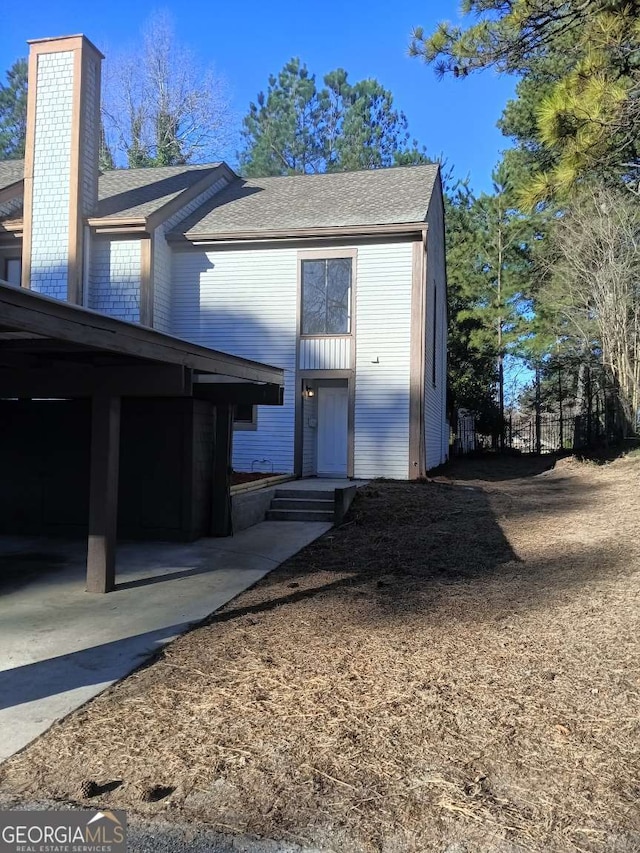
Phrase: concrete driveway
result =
(60, 646)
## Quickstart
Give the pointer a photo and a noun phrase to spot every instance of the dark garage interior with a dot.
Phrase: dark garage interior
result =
(166, 459)
(109, 429)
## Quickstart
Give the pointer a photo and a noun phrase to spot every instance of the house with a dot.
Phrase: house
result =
(338, 279)
(106, 427)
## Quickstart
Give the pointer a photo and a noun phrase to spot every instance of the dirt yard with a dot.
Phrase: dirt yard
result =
(456, 669)
(239, 478)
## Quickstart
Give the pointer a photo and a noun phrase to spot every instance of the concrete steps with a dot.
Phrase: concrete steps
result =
(305, 494)
(302, 505)
(299, 515)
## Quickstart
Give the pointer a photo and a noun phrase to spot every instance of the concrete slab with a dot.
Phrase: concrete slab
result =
(60, 646)
(322, 483)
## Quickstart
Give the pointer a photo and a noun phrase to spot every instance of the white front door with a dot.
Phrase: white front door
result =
(333, 418)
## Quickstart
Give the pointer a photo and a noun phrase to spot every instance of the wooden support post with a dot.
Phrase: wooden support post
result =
(103, 493)
(221, 488)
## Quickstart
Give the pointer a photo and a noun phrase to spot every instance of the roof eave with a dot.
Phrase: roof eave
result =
(12, 227)
(115, 224)
(11, 191)
(42, 315)
(396, 229)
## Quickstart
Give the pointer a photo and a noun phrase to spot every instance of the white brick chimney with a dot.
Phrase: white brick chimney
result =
(61, 163)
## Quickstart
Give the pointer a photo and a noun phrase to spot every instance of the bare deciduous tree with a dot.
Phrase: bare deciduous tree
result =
(595, 286)
(161, 108)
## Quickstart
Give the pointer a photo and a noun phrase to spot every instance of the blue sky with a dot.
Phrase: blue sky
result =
(247, 41)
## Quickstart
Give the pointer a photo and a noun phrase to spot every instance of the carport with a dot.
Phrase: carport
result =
(52, 350)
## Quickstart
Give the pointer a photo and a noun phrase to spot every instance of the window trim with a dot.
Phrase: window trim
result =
(327, 254)
(5, 268)
(247, 426)
(434, 350)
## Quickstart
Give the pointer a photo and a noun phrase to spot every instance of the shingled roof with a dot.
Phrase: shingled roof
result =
(132, 193)
(137, 193)
(262, 205)
(375, 197)
(11, 171)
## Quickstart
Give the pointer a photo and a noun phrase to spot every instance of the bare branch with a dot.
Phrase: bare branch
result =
(161, 107)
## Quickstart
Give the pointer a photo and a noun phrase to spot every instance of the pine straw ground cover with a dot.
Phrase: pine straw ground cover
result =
(456, 668)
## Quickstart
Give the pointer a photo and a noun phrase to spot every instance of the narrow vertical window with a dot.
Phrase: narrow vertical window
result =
(435, 334)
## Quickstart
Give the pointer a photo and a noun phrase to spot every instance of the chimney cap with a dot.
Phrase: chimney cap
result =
(67, 38)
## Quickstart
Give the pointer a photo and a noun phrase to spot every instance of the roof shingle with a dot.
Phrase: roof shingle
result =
(11, 171)
(375, 197)
(129, 193)
(137, 193)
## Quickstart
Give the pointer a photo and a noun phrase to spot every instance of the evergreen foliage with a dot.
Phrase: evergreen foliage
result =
(13, 112)
(473, 367)
(490, 257)
(298, 127)
(585, 114)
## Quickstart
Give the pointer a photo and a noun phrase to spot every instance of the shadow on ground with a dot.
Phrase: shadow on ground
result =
(17, 570)
(491, 467)
(405, 545)
(85, 668)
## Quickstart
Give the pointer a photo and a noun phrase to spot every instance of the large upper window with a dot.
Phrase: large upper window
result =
(326, 296)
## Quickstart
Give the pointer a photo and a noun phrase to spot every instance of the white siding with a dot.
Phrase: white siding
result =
(244, 302)
(436, 431)
(162, 257)
(162, 261)
(383, 331)
(114, 278)
(325, 354)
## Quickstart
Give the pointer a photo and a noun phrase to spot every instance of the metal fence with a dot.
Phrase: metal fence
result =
(585, 412)
(545, 433)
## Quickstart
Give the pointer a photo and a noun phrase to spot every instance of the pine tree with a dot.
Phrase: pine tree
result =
(13, 112)
(472, 363)
(586, 113)
(299, 128)
(282, 130)
(496, 302)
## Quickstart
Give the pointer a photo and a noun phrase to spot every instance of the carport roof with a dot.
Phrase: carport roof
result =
(35, 325)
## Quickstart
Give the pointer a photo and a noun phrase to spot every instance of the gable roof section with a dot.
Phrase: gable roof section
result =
(11, 172)
(257, 208)
(11, 189)
(140, 193)
(141, 196)
(265, 207)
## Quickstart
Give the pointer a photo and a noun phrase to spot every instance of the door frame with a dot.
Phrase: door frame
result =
(326, 377)
(343, 387)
